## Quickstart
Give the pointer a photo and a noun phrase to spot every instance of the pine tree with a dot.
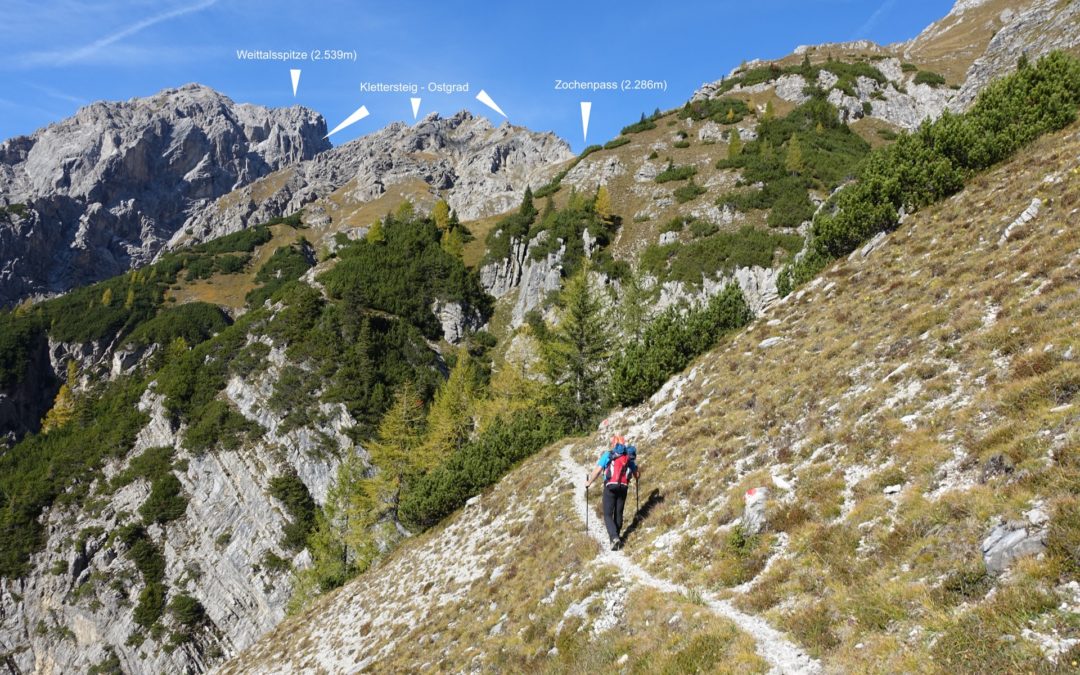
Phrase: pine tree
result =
(734, 148)
(770, 112)
(575, 354)
(452, 243)
(441, 215)
(395, 450)
(375, 233)
(527, 210)
(549, 207)
(633, 306)
(731, 116)
(63, 408)
(106, 297)
(129, 301)
(342, 543)
(405, 212)
(793, 163)
(602, 203)
(450, 420)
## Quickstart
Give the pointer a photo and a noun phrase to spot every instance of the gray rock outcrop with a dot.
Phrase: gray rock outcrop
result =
(483, 170)
(457, 320)
(106, 188)
(758, 286)
(76, 606)
(1010, 541)
(755, 518)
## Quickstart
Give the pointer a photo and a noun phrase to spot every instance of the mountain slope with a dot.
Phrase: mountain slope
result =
(101, 192)
(897, 410)
(483, 170)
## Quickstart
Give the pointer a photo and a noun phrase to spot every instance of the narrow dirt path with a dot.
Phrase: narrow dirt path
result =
(782, 655)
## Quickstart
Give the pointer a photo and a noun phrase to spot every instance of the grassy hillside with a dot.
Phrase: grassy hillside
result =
(915, 367)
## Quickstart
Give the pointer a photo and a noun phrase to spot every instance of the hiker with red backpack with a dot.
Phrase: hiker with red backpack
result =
(618, 465)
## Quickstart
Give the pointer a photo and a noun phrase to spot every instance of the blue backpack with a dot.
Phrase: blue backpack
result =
(621, 467)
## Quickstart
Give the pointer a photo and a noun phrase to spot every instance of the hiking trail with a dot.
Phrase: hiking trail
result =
(782, 655)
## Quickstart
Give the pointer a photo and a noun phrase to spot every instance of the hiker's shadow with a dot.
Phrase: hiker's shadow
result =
(643, 512)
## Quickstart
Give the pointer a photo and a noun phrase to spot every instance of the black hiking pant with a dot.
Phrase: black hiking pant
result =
(614, 501)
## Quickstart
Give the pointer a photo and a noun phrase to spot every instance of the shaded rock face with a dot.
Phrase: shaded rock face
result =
(24, 403)
(106, 188)
(76, 606)
(483, 169)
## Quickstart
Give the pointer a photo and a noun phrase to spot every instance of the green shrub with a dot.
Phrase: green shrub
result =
(724, 110)
(151, 605)
(244, 241)
(216, 425)
(722, 252)
(645, 124)
(293, 493)
(475, 466)
(423, 272)
(703, 228)
(166, 501)
(831, 154)
(274, 563)
(20, 337)
(673, 172)
(616, 142)
(790, 209)
(192, 321)
(932, 163)
(146, 556)
(908, 67)
(670, 342)
(187, 611)
(688, 192)
(682, 145)
(60, 465)
(150, 464)
(287, 264)
(231, 264)
(928, 77)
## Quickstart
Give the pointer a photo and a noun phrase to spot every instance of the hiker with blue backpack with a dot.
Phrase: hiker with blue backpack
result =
(618, 465)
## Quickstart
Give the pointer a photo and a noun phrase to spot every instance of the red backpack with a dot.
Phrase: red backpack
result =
(620, 469)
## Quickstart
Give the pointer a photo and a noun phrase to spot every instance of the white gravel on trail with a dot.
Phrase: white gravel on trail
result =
(782, 655)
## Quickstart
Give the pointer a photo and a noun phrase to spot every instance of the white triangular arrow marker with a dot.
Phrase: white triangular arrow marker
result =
(486, 100)
(415, 106)
(360, 114)
(295, 72)
(586, 109)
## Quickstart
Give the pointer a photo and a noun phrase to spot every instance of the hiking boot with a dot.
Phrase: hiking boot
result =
(616, 544)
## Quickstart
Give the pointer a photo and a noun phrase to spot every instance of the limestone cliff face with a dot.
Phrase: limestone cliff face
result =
(106, 188)
(481, 169)
(75, 608)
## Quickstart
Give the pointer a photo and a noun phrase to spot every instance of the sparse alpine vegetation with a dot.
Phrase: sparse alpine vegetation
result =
(934, 162)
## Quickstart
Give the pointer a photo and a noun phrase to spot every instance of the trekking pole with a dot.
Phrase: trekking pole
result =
(586, 508)
(637, 502)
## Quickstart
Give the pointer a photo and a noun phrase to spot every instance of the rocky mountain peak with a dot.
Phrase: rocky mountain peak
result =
(108, 186)
(481, 170)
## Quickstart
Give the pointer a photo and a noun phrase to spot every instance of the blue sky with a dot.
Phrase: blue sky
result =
(61, 54)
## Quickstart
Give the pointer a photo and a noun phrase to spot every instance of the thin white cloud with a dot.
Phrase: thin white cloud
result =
(863, 31)
(59, 95)
(93, 50)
